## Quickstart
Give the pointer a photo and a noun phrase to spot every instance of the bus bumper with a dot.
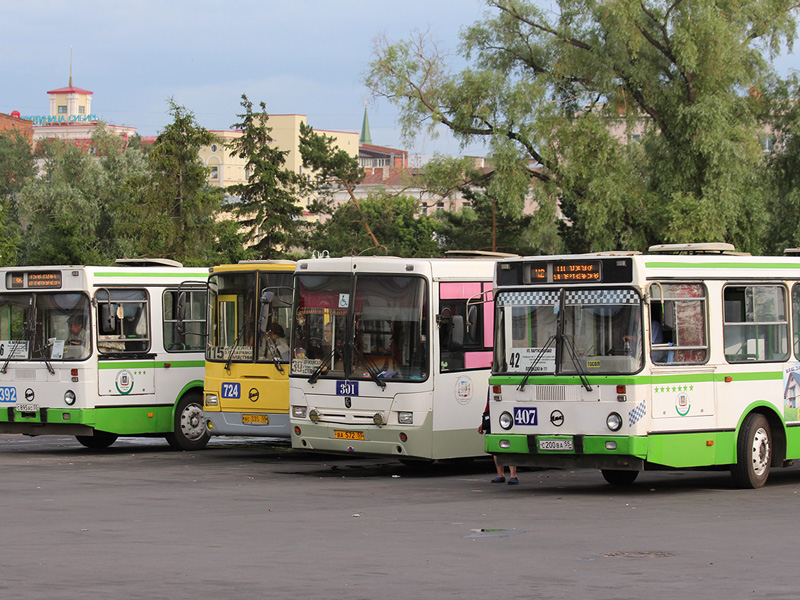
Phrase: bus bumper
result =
(596, 452)
(231, 423)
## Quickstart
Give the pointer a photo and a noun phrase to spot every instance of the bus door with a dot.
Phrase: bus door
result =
(682, 385)
(126, 361)
(465, 340)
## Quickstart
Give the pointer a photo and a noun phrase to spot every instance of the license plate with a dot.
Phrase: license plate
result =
(348, 435)
(257, 419)
(556, 445)
(27, 408)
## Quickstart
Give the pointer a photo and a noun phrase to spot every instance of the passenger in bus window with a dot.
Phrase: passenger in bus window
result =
(277, 346)
(77, 334)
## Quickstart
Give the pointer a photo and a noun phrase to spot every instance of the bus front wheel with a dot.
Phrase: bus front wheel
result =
(189, 430)
(616, 477)
(100, 439)
(753, 452)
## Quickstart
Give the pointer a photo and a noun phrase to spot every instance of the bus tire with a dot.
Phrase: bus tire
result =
(753, 452)
(190, 432)
(100, 439)
(618, 477)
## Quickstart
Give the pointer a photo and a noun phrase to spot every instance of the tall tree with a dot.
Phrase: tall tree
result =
(179, 216)
(332, 170)
(564, 87)
(16, 167)
(267, 206)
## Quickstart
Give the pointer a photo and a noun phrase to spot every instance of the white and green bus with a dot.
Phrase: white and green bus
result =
(686, 357)
(102, 352)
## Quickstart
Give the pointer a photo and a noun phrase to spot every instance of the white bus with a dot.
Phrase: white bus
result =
(683, 358)
(391, 356)
(102, 352)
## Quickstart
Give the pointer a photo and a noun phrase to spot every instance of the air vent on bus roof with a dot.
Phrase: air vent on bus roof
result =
(477, 254)
(702, 248)
(147, 262)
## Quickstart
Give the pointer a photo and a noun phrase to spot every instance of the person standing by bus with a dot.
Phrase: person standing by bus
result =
(485, 427)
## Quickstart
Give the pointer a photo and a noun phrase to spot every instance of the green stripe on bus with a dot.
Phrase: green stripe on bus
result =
(199, 274)
(173, 364)
(633, 379)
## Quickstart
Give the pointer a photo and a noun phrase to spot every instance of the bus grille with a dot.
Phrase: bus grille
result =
(557, 393)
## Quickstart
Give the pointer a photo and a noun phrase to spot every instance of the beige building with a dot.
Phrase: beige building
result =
(227, 169)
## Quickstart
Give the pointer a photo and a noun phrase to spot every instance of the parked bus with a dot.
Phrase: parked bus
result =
(391, 356)
(683, 358)
(247, 357)
(102, 352)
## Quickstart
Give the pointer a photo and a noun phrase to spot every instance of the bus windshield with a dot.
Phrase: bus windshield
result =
(599, 332)
(242, 327)
(44, 326)
(367, 327)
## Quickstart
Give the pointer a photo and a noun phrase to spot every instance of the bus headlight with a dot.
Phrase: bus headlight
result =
(69, 397)
(314, 415)
(614, 421)
(405, 418)
(299, 412)
(506, 420)
(378, 419)
(211, 400)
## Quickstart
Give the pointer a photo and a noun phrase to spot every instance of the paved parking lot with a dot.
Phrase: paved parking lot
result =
(252, 519)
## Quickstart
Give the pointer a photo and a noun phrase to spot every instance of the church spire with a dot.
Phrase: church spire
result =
(366, 137)
(70, 66)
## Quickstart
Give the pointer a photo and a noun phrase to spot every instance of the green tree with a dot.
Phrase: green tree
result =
(394, 219)
(332, 170)
(267, 206)
(547, 85)
(178, 218)
(16, 168)
(59, 211)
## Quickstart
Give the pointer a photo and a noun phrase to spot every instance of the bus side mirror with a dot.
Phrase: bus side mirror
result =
(456, 338)
(180, 311)
(108, 322)
(263, 313)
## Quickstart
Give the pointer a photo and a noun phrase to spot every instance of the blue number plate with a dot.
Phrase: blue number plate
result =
(231, 390)
(347, 388)
(526, 416)
(8, 394)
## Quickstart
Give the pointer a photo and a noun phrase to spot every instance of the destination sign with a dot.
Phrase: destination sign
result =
(576, 271)
(38, 279)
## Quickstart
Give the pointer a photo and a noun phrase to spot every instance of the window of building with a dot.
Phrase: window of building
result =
(81, 110)
(214, 172)
(62, 109)
(213, 147)
(756, 327)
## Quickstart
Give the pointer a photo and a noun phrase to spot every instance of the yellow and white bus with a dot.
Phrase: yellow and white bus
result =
(102, 352)
(391, 356)
(687, 357)
(247, 356)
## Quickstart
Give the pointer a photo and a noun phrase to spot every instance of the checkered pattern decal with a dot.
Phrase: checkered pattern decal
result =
(573, 297)
(638, 413)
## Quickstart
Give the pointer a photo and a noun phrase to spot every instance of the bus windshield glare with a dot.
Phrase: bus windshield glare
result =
(599, 332)
(367, 327)
(46, 326)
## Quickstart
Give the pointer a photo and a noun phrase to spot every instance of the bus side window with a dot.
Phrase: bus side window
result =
(756, 326)
(678, 331)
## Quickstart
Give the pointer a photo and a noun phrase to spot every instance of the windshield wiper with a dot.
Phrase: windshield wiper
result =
(236, 345)
(29, 331)
(312, 379)
(273, 345)
(536, 360)
(363, 359)
(576, 363)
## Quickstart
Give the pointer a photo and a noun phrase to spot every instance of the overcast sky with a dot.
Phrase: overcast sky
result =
(298, 56)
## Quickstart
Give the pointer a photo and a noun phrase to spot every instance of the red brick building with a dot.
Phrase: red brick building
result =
(14, 122)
